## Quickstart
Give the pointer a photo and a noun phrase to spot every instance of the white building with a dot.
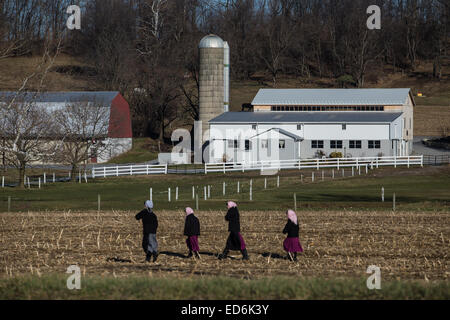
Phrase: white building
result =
(289, 124)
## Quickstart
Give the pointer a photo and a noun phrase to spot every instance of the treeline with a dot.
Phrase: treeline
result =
(147, 49)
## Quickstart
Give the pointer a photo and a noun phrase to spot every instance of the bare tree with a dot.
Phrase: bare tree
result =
(83, 127)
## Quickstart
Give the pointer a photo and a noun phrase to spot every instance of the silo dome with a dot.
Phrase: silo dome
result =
(211, 41)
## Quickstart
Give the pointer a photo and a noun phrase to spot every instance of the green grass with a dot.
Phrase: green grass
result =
(220, 288)
(413, 192)
(143, 150)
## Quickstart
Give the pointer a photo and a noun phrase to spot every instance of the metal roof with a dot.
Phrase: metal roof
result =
(331, 97)
(306, 117)
(100, 97)
(282, 131)
(211, 41)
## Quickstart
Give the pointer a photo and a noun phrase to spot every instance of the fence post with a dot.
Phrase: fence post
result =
(382, 194)
(367, 169)
(295, 202)
(343, 173)
(205, 195)
(357, 165)
(151, 194)
(421, 161)
(9, 203)
(168, 194)
(408, 161)
(393, 202)
(312, 177)
(332, 173)
(395, 162)
(206, 171)
(104, 172)
(278, 181)
(224, 167)
(265, 183)
(377, 162)
(3, 182)
(209, 191)
(238, 186)
(176, 194)
(29, 186)
(193, 192)
(98, 202)
(359, 170)
(85, 176)
(45, 178)
(131, 170)
(165, 168)
(251, 190)
(146, 167)
(338, 164)
(54, 179)
(196, 201)
(353, 171)
(323, 175)
(299, 164)
(39, 183)
(317, 164)
(223, 189)
(117, 171)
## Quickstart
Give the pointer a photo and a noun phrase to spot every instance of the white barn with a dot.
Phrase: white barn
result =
(290, 124)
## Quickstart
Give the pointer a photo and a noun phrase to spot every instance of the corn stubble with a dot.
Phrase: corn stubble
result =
(405, 245)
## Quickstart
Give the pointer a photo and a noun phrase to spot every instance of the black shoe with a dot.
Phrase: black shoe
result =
(244, 254)
(290, 257)
(295, 256)
(155, 256)
(190, 254)
(223, 255)
(197, 255)
(147, 258)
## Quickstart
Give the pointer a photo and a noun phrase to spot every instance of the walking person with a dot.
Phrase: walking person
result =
(292, 244)
(192, 231)
(150, 225)
(235, 240)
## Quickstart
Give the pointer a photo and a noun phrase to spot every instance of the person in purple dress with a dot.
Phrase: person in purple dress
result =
(235, 240)
(192, 231)
(292, 244)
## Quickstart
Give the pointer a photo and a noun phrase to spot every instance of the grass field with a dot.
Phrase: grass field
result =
(217, 288)
(415, 188)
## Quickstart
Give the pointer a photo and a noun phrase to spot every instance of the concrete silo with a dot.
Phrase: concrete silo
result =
(213, 79)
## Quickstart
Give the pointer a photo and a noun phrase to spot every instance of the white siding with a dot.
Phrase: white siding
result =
(353, 131)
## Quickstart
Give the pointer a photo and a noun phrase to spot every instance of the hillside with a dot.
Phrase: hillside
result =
(432, 113)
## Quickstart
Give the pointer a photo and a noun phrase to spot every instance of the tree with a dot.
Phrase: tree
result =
(83, 125)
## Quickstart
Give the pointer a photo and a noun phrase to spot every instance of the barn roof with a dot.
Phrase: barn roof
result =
(99, 97)
(331, 97)
(305, 117)
(281, 131)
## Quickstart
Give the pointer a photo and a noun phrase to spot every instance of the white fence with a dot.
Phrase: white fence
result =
(115, 171)
(371, 162)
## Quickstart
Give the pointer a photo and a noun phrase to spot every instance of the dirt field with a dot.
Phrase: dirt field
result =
(405, 245)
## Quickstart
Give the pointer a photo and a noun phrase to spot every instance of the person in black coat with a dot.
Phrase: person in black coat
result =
(192, 231)
(292, 244)
(150, 226)
(235, 240)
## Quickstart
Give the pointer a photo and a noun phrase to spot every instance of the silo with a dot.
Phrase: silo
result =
(211, 80)
(226, 77)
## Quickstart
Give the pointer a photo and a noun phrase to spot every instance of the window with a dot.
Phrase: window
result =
(299, 127)
(355, 144)
(410, 123)
(316, 144)
(374, 144)
(254, 126)
(248, 145)
(264, 144)
(233, 144)
(282, 144)
(344, 127)
(336, 144)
